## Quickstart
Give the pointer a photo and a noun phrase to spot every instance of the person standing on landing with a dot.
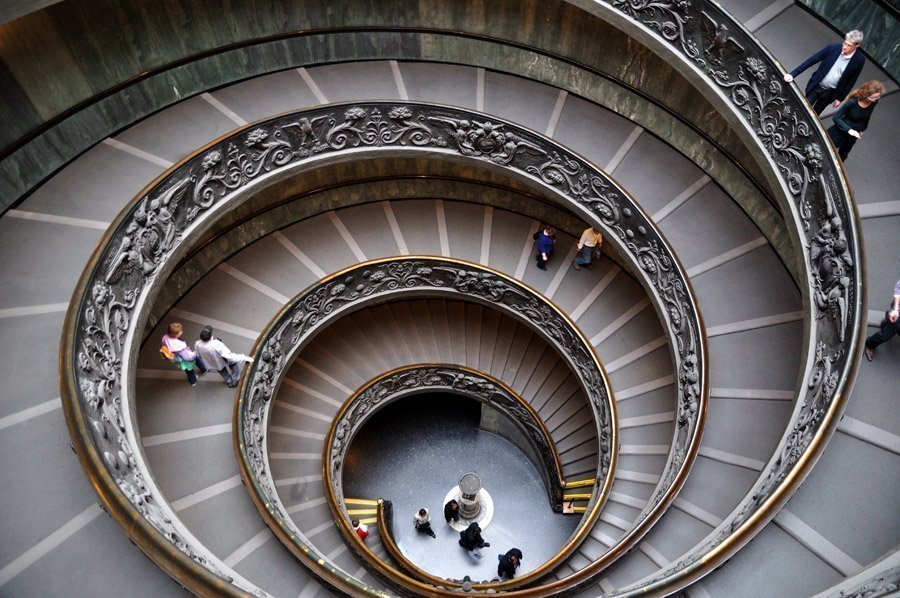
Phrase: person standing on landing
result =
(219, 357)
(182, 355)
(839, 68)
(451, 511)
(509, 562)
(590, 241)
(852, 118)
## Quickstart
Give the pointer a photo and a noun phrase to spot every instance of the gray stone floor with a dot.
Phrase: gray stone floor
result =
(434, 439)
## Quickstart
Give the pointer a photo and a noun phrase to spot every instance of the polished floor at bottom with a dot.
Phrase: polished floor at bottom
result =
(413, 453)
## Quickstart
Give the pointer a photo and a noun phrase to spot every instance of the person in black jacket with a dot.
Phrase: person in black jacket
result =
(470, 539)
(451, 511)
(852, 118)
(509, 562)
(839, 67)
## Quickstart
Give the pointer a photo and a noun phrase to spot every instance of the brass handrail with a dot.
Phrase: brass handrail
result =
(353, 288)
(816, 199)
(158, 227)
(386, 533)
(332, 460)
(458, 380)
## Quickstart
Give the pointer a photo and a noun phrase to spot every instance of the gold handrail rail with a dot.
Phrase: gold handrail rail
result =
(271, 510)
(201, 177)
(350, 535)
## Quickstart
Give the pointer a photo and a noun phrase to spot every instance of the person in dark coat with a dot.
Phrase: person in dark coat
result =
(546, 238)
(509, 562)
(470, 539)
(451, 511)
(889, 327)
(839, 68)
(852, 118)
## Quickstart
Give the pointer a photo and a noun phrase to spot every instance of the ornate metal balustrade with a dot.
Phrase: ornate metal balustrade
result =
(445, 378)
(705, 42)
(109, 307)
(417, 379)
(400, 278)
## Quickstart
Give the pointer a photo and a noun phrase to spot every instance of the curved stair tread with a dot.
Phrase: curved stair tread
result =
(580, 126)
(48, 443)
(282, 92)
(271, 262)
(28, 392)
(122, 563)
(705, 226)
(177, 131)
(752, 286)
(452, 84)
(649, 154)
(355, 81)
(780, 40)
(41, 261)
(221, 297)
(95, 186)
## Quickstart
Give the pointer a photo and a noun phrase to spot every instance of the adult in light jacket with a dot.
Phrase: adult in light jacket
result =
(839, 68)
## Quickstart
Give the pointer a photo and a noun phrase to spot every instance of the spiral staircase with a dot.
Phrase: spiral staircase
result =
(839, 530)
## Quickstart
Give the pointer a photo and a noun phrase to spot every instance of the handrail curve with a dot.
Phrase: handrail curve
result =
(120, 282)
(385, 522)
(376, 394)
(416, 379)
(388, 279)
(705, 40)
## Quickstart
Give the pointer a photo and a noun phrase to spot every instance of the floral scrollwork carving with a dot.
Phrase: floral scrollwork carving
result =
(485, 139)
(159, 225)
(880, 585)
(816, 204)
(668, 18)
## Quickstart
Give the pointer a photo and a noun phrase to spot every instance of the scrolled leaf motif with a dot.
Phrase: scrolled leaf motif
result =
(668, 18)
(832, 267)
(880, 585)
(757, 91)
(361, 127)
(271, 151)
(149, 236)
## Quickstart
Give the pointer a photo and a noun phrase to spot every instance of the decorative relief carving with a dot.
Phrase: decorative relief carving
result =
(720, 40)
(832, 267)
(106, 320)
(438, 378)
(666, 18)
(147, 236)
(735, 63)
(485, 139)
(389, 277)
(884, 584)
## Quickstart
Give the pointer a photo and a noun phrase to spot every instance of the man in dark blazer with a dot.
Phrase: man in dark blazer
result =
(839, 67)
